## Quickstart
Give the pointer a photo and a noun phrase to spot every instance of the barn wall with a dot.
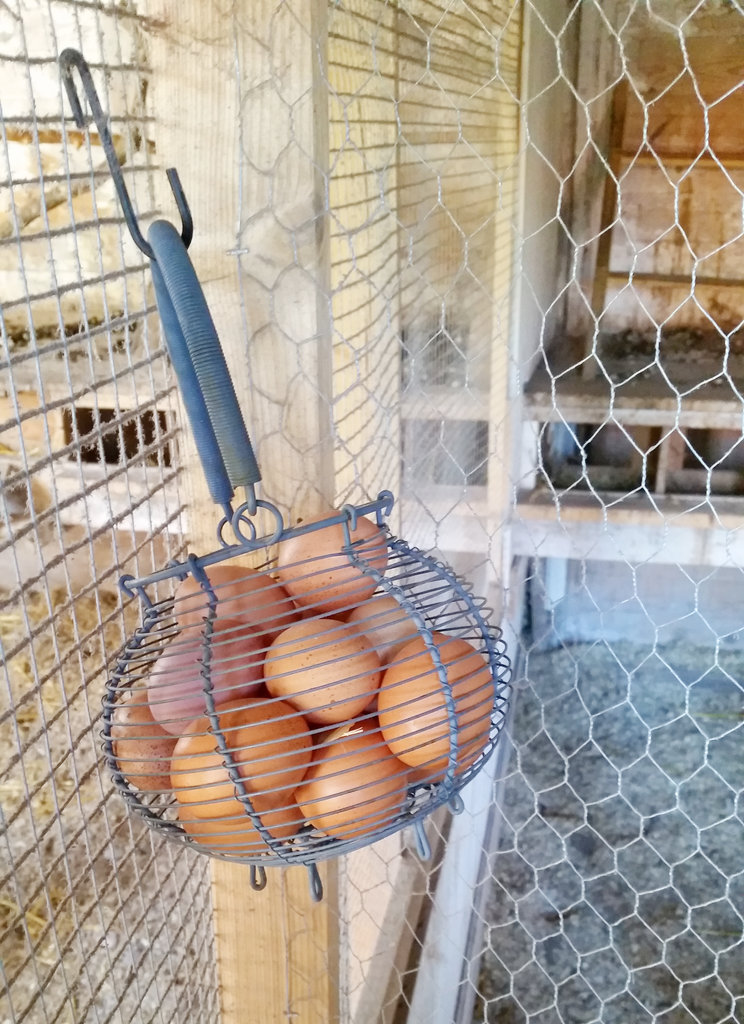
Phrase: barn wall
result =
(98, 916)
(680, 175)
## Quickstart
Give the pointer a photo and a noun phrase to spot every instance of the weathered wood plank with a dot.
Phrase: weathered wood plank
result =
(363, 134)
(631, 510)
(476, 525)
(647, 405)
(671, 456)
(661, 158)
(678, 280)
(557, 392)
(608, 212)
(248, 138)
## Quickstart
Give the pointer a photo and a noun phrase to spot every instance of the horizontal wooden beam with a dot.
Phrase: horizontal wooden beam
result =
(443, 403)
(99, 494)
(116, 382)
(617, 276)
(628, 394)
(728, 161)
(695, 510)
(668, 529)
(689, 411)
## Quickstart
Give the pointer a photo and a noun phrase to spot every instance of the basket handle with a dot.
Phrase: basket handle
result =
(210, 456)
(225, 450)
(190, 330)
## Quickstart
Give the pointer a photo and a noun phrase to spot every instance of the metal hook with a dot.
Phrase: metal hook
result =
(70, 59)
(315, 882)
(423, 846)
(258, 878)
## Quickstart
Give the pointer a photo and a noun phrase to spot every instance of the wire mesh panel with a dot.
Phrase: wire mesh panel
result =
(608, 453)
(486, 255)
(612, 888)
(423, 143)
(98, 920)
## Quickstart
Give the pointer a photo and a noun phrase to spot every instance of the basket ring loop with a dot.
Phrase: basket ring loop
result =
(258, 877)
(239, 517)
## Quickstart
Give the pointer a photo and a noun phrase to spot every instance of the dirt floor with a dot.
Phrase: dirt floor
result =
(618, 881)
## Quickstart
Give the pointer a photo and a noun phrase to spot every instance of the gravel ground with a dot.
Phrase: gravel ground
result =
(618, 882)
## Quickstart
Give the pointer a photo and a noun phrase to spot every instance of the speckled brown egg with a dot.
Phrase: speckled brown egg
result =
(324, 668)
(355, 785)
(242, 594)
(269, 742)
(318, 575)
(385, 623)
(412, 704)
(141, 747)
(237, 836)
(175, 686)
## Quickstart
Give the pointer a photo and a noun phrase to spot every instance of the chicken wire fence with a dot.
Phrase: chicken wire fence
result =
(486, 255)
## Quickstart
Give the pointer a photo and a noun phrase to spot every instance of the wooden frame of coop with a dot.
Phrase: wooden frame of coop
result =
(297, 948)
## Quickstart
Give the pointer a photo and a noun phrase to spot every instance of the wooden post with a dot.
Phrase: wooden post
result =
(672, 451)
(503, 404)
(238, 110)
(364, 244)
(597, 67)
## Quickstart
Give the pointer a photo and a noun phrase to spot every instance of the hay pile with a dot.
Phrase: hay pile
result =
(90, 918)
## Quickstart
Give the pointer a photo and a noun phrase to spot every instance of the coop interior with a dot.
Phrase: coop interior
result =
(485, 255)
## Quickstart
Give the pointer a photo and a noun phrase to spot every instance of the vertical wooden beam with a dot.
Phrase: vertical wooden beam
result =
(503, 427)
(672, 451)
(235, 93)
(442, 967)
(364, 243)
(375, 883)
(607, 213)
(597, 68)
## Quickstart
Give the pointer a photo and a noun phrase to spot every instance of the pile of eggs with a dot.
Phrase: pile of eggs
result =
(327, 709)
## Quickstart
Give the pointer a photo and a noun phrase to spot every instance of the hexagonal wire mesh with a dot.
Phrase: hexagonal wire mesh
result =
(613, 886)
(531, 289)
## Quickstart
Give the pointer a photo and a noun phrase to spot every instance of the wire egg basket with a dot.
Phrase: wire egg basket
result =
(300, 710)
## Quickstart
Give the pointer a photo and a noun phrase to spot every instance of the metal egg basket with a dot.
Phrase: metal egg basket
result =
(281, 716)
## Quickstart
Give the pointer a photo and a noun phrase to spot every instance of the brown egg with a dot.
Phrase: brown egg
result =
(175, 687)
(270, 743)
(412, 707)
(142, 749)
(324, 668)
(354, 785)
(238, 836)
(387, 626)
(243, 594)
(317, 574)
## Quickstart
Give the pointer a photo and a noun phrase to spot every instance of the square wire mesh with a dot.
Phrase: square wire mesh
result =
(99, 920)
